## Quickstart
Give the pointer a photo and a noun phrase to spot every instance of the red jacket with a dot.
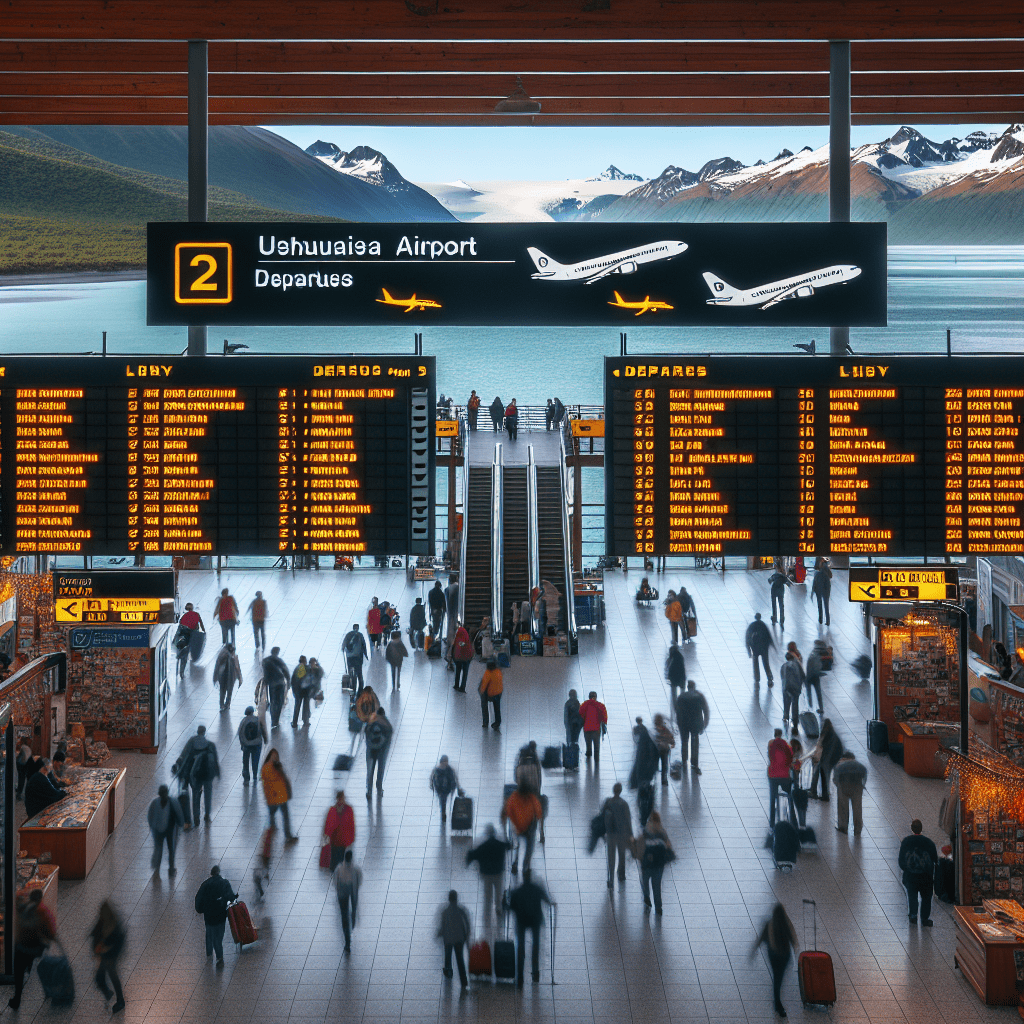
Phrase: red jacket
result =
(780, 757)
(462, 649)
(341, 827)
(373, 620)
(594, 714)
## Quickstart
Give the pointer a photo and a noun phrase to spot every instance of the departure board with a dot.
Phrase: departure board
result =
(217, 455)
(793, 455)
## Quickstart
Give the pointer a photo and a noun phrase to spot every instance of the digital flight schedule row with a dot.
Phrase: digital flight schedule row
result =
(761, 455)
(253, 455)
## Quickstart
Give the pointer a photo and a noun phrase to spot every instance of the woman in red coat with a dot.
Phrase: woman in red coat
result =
(373, 624)
(462, 655)
(340, 829)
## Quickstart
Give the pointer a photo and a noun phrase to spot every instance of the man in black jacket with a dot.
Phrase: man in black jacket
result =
(40, 790)
(526, 903)
(692, 714)
(917, 861)
(276, 676)
(759, 641)
(417, 623)
(438, 608)
(490, 855)
(212, 901)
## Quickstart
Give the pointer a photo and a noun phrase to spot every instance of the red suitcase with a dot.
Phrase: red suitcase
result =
(814, 968)
(242, 930)
(480, 958)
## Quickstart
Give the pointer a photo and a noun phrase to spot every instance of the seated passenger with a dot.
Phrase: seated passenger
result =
(646, 591)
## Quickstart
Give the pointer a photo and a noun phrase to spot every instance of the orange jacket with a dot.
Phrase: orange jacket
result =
(674, 611)
(522, 809)
(492, 685)
(276, 787)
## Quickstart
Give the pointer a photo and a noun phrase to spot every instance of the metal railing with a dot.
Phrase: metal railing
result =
(497, 541)
(570, 597)
(532, 533)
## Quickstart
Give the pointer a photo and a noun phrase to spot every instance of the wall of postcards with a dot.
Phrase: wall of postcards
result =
(109, 692)
(993, 851)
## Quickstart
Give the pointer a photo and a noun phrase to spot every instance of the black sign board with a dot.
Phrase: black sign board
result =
(248, 455)
(549, 275)
(774, 455)
(156, 583)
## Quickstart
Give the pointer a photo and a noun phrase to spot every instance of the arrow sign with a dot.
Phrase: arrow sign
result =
(69, 611)
(869, 592)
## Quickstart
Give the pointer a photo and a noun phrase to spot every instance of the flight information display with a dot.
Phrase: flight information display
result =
(767, 455)
(217, 455)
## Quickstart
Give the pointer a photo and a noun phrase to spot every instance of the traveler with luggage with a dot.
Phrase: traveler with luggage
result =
(275, 675)
(354, 649)
(778, 581)
(813, 677)
(797, 794)
(277, 789)
(226, 613)
(780, 757)
(438, 608)
(850, 777)
(595, 722)
(526, 813)
(339, 830)
(347, 880)
(165, 818)
(454, 930)
(226, 672)
(821, 588)
(490, 858)
(688, 622)
(825, 756)
(759, 642)
(394, 654)
(198, 765)
(778, 936)
(373, 624)
(528, 768)
(212, 901)
(674, 614)
(444, 781)
(108, 938)
(36, 929)
(527, 904)
(675, 673)
(792, 676)
(618, 831)
(664, 740)
(189, 623)
(655, 851)
(918, 859)
(692, 716)
(258, 615)
(378, 741)
(462, 656)
(572, 719)
(492, 685)
(418, 624)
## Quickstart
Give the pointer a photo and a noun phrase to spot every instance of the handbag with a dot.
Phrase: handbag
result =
(325, 855)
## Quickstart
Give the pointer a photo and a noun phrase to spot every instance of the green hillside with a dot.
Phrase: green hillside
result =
(62, 210)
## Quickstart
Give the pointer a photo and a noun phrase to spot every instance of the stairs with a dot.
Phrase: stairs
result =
(477, 583)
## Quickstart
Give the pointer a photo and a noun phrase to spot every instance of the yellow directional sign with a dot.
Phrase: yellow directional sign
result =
(69, 611)
(587, 428)
(107, 609)
(446, 428)
(903, 583)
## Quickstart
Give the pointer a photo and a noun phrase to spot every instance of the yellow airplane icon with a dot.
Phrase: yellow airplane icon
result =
(410, 304)
(641, 306)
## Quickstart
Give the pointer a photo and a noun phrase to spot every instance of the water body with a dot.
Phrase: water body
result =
(977, 292)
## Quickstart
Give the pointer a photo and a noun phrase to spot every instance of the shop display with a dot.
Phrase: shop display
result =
(87, 788)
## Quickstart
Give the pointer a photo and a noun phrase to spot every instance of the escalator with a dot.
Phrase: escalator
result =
(515, 527)
(550, 536)
(476, 579)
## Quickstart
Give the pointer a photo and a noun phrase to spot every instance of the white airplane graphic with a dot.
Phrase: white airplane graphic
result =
(589, 271)
(767, 295)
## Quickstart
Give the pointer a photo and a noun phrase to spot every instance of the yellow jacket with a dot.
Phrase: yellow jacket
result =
(276, 787)
(491, 685)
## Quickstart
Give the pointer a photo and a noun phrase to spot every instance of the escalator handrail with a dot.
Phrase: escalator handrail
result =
(497, 541)
(570, 599)
(463, 439)
(532, 528)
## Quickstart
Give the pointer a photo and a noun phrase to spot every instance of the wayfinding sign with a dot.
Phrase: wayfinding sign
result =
(903, 583)
(111, 595)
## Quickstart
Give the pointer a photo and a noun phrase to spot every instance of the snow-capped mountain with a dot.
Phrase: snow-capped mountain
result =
(612, 173)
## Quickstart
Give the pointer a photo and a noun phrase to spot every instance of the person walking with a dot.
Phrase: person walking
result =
(303, 686)
(527, 904)
(759, 642)
(258, 616)
(226, 672)
(451, 597)
(821, 588)
(850, 777)
(165, 817)
(108, 938)
(674, 614)
(417, 624)
(692, 716)
(497, 411)
(528, 768)
(354, 649)
(675, 672)
(812, 678)
(472, 409)
(689, 613)
(275, 675)
(559, 412)
(198, 766)
(378, 741)
(778, 936)
(595, 722)
(212, 901)
(340, 829)
(792, 675)
(524, 809)
(825, 757)
(778, 581)
(572, 719)
(490, 858)
(462, 655)
(394, 654)
(618, 831)
(36, 929)
(512, 420)
(918, 860)
(225, 611)
(438, 609)
(492, 685)
(664, 740)
(373, 624)
(780, 758)
(655, 852)
(252, 734)
(347, 880)
(444, 781)
(277, 789)
(454, 930)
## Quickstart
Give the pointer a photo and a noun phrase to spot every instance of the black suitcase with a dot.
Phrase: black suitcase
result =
(808, 840)
(462, 814)
(571, 757)
(355, 723)
(785, 838)
(552, 757)
(56, 977)
(945, 880)
(809, 723)
(505, 959)
(343, 763)
(878, 737)
(896, 753)
(186, 806)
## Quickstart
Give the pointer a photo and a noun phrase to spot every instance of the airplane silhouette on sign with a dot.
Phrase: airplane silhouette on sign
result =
(410, 304)
(643, 306)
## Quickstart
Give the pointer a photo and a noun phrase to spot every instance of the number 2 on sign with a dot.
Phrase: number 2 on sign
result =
(203, 283)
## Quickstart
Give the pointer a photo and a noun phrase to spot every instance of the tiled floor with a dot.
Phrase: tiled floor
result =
(612, 961)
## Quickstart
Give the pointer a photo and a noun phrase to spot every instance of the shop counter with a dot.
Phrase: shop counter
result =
(984, 953)
(74, 829)
(921, 742)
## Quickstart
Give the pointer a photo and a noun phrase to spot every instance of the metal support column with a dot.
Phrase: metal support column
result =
(198, 153)
(577, 516)
(839, 158)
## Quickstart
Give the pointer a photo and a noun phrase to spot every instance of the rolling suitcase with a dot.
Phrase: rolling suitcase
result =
(343, 763)
(462, 814)
(56, 977)
(480, 958)
(242, 931)
(186, 805)
(809, 724)
(552, 757)
(505, 959)
(814, 968)
(878, 737)
(785, 838)
(571, 757)
(196, 644)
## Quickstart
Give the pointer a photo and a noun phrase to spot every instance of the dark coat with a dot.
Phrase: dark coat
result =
(490, 855)
(40, 792)
(213, 898)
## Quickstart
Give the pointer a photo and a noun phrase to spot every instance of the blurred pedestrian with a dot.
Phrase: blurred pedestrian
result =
(165, 818)
(212, 901)
(850, 777)
(778, 936)
(792, 675)
(462, 655)
(340, 829)
(108, 937)
(395, 653)
(454, 931)
(36, 929)
(438, 605)
(618, 831)
(821, 588)
(198, 765)
(759, 642)
(655, 852)
(664, 740)
(373, 624)
(258, 615)
(812, 677)
(692, 717)
(780, 759)
(303, 687)
(674, 614)
(490, 857)
(825, 756)
(226, 672)
(527, 903)
(595, 722)
(347, 880)
(275, 675)
(491, 687)
(526, 813)
(778, 581)
(418, 624)
(528, 768)
(675, 672)
(252, 734)
(378, 741)
(472, 409)
(572, 719)
(226, 613)
(277, 789)
(444, 781)
(354, 649)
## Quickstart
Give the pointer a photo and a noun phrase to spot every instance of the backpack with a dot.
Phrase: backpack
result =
(201, 766)
(376, 736)
(919, 862)
(251, 732)
(352, 646)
